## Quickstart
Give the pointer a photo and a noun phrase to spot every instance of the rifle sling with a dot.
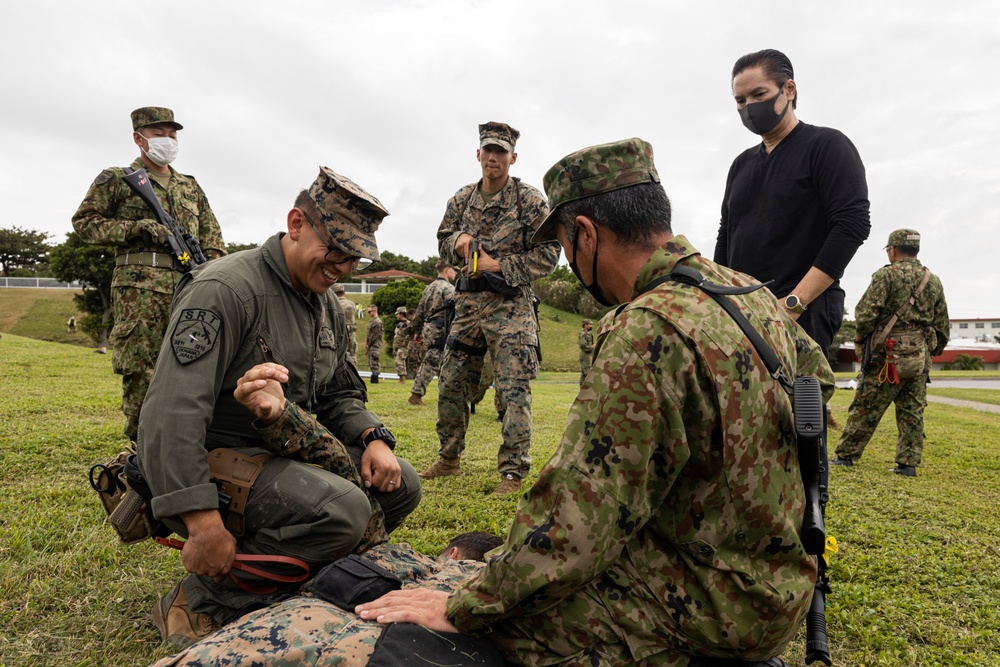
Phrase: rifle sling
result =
(902, 310)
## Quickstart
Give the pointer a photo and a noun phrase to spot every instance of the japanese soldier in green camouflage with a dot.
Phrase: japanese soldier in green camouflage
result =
(493, 307)
(145, 275)
(586, 344)
(919, 332)
(429, 322)
(352, 322)
(415, 346)
(400, 342)
(373, 343)
(666, 525)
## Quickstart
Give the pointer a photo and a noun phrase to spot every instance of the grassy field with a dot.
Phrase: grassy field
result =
(42, 314)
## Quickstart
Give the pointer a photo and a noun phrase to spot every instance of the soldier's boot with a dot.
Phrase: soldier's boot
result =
(904, 470)
(402, 379)
(415, 399)
(500, 415)
(177, 623)
(443, 468)
(830, 420)
(374, 378)
(509, 484)
(839, 461)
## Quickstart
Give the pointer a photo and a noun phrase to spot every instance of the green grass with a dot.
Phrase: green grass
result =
(991, 396)
(915, 583)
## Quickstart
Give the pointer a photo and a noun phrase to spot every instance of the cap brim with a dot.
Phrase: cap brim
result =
(175, 124)
(496, 142)
(547, 230)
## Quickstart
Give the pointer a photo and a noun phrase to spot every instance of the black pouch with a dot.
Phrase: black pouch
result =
(409, 644)
(351, 581)
(499, 286)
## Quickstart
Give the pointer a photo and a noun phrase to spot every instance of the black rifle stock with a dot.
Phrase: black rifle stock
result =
(810, 430)
(179, 243)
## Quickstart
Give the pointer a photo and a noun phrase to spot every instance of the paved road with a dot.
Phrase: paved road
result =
(986, 383)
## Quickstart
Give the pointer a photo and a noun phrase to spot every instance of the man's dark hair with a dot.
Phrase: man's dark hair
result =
(441, 265)
(474, 545)
(907, 250)
(636, 214)
(775, 64)
(306, 203)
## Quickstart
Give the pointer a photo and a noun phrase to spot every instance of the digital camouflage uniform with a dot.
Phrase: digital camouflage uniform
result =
(586, 344)
(306, 631)
(352, 327)
(485, 382)
(229, 316)
(429, 321)
(141, 293)
(400, 346)
(373, 343)
(414, 352)
(890, 288)
(666, 524)
(505, 326)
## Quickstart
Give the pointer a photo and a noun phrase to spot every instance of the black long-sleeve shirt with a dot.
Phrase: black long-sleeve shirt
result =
(805, 204)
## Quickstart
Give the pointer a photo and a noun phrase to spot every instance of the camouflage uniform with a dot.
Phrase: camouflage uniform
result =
(141, 293)
(400, 343)
(414, 352)
(308, 631)
(586, 343)
(352, 327)
(667, 522)
(373, 344)
(485, 382)
(229, 316)
(486, 320)
(890, 288)
(429, 321)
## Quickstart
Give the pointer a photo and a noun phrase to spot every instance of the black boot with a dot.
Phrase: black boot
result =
(374, 378)
(905, 470)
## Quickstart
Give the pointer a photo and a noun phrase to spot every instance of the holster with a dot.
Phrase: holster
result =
(126, 505)
(235, 474)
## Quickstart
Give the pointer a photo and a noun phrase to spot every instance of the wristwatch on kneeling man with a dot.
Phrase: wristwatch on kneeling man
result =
(380, 433)
(794, 304)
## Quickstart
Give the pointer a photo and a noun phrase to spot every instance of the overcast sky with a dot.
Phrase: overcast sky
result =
(391, 93)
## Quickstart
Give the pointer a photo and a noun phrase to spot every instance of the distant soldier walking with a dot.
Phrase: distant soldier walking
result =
(415, 346)
(908, 300)
(145, 275)
(586, 343)
(373, 343)
(428, 323)
(348, 307)
(400, 343)
(487, 226)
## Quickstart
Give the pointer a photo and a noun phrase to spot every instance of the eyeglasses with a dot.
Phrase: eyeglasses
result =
(334, 255)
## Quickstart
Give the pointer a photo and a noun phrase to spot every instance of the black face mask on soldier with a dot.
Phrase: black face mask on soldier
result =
(759, 117)
(593, 288)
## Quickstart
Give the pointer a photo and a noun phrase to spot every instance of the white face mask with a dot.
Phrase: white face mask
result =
(162, 150)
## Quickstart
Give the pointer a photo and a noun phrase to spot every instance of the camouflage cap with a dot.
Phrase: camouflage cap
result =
(592, 171)
(348, 213)
(586, 322)
(339, 289)
(498, 134)
(904, 237)
(152, 115)
(401, 310)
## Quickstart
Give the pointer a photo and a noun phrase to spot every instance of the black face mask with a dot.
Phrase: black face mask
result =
(759, 117)
(593, 288)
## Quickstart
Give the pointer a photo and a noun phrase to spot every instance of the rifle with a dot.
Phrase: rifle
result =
(810, 431)
(866, 358)
(179, 243)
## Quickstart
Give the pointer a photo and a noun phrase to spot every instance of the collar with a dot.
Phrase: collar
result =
(662, 262)
(504, 198)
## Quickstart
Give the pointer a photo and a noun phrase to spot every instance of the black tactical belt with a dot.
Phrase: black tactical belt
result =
(159, 260)
(465, 284)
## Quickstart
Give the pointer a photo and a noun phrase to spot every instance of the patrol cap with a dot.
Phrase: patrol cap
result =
(904, 237)
(349, 214)
(498, 134)
(401, 310)
(587, 322)
(152, 115)
(338, 289)
(592, 171)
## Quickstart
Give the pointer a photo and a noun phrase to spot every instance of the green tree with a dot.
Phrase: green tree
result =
(21, 248)
(390, 297)
(427, 267)
(236, 247)
(92, 266)
(391, 260)
(845, 335)
(965, 362)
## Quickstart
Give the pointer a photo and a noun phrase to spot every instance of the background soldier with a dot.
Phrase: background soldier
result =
(926, 323)
(586, 349)
(400, 343)
(493, 308)
(145, 276)
(352, 324)
(373, 342)
(415, 346)
(429, 324)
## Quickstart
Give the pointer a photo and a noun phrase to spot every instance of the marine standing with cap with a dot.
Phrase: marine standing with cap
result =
(924, 325)
(352, 323)
(400, 343)
(493, 307)
(666, 525)
(373, 343)
(586, 344)
(145, 276)
(268, 311)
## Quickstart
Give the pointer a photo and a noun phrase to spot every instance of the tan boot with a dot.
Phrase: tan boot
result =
(509, 484)
(443, 468)
(415, 399)
(177, 623)
(402, 379)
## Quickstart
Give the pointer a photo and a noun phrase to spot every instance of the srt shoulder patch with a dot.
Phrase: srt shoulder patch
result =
(104, 177)
(195, 334)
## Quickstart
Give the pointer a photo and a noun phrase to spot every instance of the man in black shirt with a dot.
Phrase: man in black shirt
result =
(796, 206)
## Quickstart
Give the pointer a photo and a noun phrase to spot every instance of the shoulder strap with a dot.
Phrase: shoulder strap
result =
(690, 276)
(902, 309)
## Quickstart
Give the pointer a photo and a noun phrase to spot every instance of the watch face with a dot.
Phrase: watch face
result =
(791, 301)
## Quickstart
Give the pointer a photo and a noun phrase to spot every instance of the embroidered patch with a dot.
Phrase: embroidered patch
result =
(195, 334)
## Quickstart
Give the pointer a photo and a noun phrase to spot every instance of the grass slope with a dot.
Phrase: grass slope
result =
(915, 583)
